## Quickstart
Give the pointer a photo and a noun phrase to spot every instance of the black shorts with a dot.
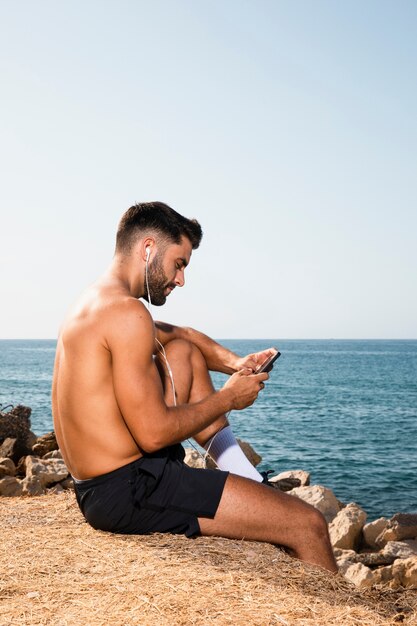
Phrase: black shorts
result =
(156, 493)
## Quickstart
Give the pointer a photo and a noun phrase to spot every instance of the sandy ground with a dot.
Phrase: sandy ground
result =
(55, 569)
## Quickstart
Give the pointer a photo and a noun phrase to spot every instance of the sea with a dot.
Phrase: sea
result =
(344, 410)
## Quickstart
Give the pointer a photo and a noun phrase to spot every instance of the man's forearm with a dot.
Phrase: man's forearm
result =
(218, 358)
(181, 422)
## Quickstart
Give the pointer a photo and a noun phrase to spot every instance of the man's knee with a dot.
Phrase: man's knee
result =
(183, 350)
(316, 525)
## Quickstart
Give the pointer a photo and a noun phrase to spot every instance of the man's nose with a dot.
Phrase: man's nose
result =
(180, 278)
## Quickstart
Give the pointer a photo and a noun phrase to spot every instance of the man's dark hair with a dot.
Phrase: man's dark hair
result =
(157, 217)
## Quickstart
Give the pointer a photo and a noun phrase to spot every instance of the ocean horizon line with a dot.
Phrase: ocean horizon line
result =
(252, 338)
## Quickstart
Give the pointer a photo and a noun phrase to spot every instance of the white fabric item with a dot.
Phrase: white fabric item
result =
(226, 452)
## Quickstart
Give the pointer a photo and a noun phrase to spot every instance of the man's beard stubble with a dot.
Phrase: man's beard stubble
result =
(157, 281)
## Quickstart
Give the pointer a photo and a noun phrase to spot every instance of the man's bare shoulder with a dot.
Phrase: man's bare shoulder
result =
(122, 316)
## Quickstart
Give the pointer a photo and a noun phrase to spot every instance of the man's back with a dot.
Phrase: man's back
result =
(90, 429)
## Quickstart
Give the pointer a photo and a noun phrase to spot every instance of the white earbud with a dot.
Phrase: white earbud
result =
(148, 252)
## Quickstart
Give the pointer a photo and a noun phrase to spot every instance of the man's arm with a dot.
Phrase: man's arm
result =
(138, 388)
(218, 358)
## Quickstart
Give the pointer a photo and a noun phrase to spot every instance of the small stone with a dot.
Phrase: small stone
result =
(321, 498)
(68, 483)
(56, 489)
(7, 467)
(193, 458)
(10, 486)
(301, 475)
(345, 530)
(408, 572)
(358, 574)
(372, 530)
(33, 594)
(54, 454)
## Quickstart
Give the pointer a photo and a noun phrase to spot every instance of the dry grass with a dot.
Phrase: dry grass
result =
(57, 570)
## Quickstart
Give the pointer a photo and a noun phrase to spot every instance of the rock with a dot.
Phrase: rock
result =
(16, 425)
(285, 484)
(321, 498)
(47, 470)
(10, 449)
(7, 467)
(358, 574)
(404, 573)
(10, 486)
(400, 549)
(55, 454)
(32, 486)
(300, 475)
(31, 439)
(373, 559)
(382, 575)
(400, 526)
(249, 452)
(344, 554)
(56, 489)
(193, 458)
(68, 483)
(345, 530)
(44, 444)
(372, 530)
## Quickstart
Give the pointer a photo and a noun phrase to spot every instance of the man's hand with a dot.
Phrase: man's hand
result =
(245, 387)
(252, 361)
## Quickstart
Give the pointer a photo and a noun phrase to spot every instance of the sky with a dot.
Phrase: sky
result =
(288, 129)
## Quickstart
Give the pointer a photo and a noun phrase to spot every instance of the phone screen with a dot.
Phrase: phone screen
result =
(266, 366)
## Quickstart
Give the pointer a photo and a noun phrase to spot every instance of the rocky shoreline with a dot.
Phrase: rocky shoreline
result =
(382, 552)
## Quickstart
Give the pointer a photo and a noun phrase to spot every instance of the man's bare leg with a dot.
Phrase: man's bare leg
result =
(248, 510)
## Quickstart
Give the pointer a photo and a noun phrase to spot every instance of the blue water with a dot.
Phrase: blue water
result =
(344, 410)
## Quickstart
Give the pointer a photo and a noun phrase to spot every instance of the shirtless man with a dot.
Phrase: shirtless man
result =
(119, 420)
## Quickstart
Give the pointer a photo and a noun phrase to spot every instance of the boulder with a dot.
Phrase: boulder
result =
(7, 467)
(321, 498)
(358, 574)
(372, 530)
(32, 486)
(10, 486)
(400, 526)
(299, 475)
(345, 529)
(48, 471)
(400, 549)
(44, 444)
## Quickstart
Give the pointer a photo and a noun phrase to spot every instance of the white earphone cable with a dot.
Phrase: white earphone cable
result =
(161, 350)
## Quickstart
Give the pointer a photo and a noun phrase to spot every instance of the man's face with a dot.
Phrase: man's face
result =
(166, 271)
